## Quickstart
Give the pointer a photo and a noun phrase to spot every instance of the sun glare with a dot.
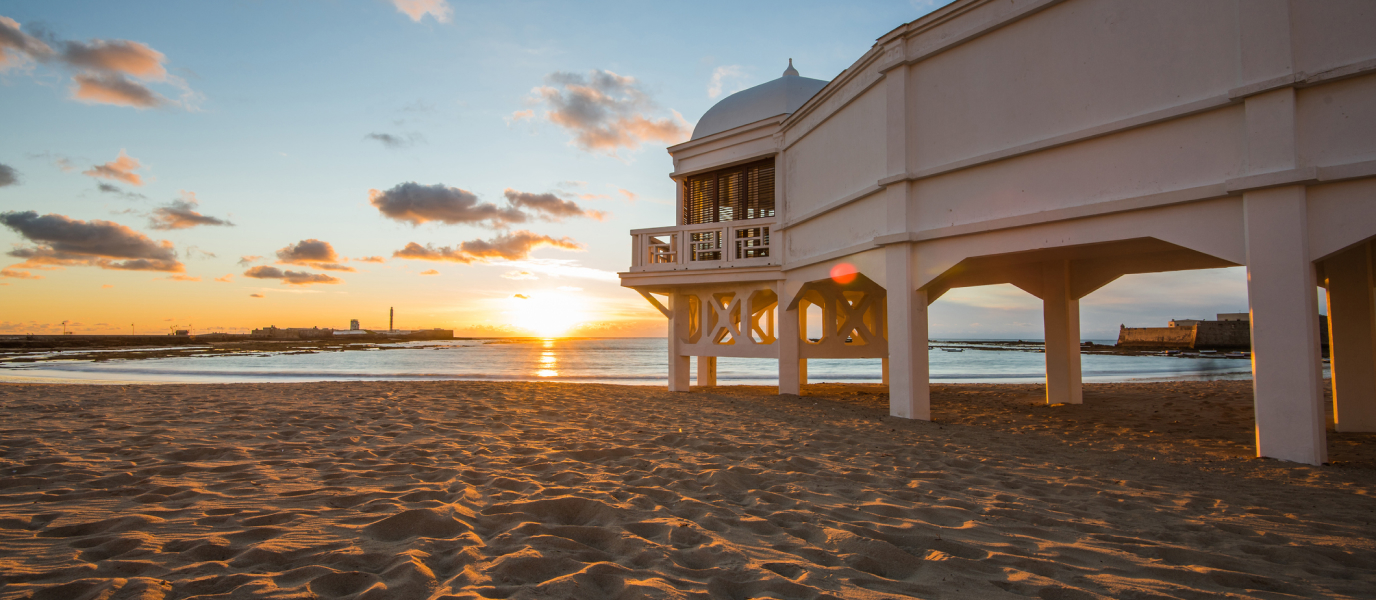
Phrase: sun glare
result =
(546, 314)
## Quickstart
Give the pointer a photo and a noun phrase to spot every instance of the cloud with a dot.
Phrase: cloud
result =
(17, 47)
(396, 141)
(519, 275)
(290, 277)
(113, 88)
(106, 286)
(120, 169)
(111, 189)
(521, 115)
(104, 68)
(721, 76)
(180, 214)
(630, 196)
(371, 259)
(605, 111)
(8, 176)
(13, 274)
(521, 296)
(414, 203)
(182, 278)
(226, 279)
(312, 253)
(69, 242)
(550, 207)
(255, 295)
(245, 261)
(513, 246)
(117, 56)
(430, 272)
(417, 9)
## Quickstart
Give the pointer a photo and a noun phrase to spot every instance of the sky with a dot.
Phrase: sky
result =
(222, 166)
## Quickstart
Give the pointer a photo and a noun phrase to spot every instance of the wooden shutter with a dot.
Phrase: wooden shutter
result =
(731, 194)
(700, 199)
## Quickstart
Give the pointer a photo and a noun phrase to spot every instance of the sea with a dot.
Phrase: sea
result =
(631, 361)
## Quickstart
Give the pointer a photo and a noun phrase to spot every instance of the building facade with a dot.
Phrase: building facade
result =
(1055, 145)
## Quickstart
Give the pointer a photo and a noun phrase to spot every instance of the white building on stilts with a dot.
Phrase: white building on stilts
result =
(1055, 145)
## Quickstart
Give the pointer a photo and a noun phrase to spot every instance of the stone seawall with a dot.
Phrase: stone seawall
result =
(1157, 337)
(1207, 335)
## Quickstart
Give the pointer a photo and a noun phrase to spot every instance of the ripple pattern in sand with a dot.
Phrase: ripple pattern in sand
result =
(526, 490)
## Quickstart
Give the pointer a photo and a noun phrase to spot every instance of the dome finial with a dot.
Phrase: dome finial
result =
(790, 70)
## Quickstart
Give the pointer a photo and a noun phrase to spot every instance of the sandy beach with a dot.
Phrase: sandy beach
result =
(537, 490)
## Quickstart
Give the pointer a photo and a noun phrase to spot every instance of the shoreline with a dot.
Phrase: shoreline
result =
(482, 490)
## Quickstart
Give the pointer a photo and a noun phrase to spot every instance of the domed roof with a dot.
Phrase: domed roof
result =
(779, 97)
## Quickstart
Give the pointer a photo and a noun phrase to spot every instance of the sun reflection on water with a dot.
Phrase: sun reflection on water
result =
(548, 363)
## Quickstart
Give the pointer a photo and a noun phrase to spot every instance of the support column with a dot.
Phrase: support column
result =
(707, 371)
(1061, 320)
(909, 386)
(1352, 339)
(1287, 372)
(789, 340)
(678, 328)
(884, 370)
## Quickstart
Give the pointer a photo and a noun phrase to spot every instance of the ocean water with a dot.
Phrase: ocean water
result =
(634, 361)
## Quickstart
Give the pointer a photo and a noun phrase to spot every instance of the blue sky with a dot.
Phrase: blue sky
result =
(266, 118)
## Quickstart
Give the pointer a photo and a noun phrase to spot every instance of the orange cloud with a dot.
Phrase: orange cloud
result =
(120, 169)
(371, 259)
(414, 203)
(519, 275)
(63, 242)
(417, 9)
(13, 274)
(226, 279)
(312, 253)
(180, 215)
(118, 56)
(630, 196)
(430, 272)
(255, 295)
(290, 277)
(182, 278)
(17, 47)
(605, 111)
(114, 89)
(550, 207)
(514, 246)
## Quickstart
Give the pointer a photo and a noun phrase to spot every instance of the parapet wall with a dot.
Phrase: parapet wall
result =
(1156, 337)
(1206, 335)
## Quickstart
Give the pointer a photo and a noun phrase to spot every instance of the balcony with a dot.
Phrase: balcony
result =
(748, 243)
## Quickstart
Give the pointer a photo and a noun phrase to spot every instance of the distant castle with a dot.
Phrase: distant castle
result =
(1230, 331)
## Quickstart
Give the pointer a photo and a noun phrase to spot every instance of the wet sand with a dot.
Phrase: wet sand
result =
(537, 490)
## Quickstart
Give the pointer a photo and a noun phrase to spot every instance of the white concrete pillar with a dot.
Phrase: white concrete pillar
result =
(1061, 320)
(909, 386)
(707, 371)
(1287, 370)
(789, 341)
(1352, 339)
(678, 328)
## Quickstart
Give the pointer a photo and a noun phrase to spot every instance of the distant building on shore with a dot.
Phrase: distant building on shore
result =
(353, 325)
(1229, 331)
(292, 333)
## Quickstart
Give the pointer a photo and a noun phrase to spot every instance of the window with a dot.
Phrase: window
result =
(732, 194)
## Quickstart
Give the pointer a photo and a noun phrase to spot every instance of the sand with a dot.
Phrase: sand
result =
(532, 490)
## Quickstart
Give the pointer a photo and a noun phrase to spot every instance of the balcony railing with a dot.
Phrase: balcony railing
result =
(746, 243)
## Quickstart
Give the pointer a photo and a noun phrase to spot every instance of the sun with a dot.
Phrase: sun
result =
(547, 314)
